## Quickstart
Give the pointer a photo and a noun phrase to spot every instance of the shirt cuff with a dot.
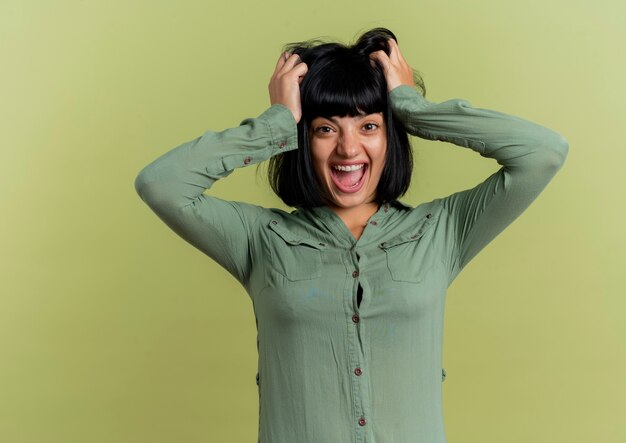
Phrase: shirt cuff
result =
(283, 128)
(406, 96)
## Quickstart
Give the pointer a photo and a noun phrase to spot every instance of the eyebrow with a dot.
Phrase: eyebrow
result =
(358, 117)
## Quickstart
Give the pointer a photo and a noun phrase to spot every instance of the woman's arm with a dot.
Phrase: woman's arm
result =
(530, 156)
(173, 185)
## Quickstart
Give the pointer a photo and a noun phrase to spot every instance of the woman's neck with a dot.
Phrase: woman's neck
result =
(356, 218)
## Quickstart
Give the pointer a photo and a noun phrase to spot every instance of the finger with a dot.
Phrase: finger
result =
(394, 50)
(378, 55)
(401, 60)
(279, 63)
(300, 70)
(381, 57)
(278, 67)
(301, 66)
(291, 61)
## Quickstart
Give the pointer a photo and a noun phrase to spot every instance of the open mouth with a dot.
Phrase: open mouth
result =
(348, 178)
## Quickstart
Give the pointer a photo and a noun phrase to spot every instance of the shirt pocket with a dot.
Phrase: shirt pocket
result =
(294, 256)
(405, 259)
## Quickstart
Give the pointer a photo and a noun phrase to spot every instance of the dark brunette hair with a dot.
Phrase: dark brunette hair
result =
(341, 81)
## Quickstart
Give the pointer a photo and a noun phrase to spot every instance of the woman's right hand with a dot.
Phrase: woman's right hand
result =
(284, 86)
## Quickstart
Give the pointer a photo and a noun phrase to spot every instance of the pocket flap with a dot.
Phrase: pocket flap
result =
(427, 222)
(293, 239)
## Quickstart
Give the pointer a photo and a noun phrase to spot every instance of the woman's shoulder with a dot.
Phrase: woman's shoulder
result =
(252, 211)
(260, 215)
(406, 210)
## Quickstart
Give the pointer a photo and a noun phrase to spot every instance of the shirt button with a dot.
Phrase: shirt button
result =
(322, 244)
(247, 160)
(274, 222)
(373, 223)
(362, 421)
(282, 144)
(358, 371)
(429, 215)
(355, 318)
(355, 274)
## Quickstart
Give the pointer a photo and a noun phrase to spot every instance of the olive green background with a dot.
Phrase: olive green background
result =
(113, 329)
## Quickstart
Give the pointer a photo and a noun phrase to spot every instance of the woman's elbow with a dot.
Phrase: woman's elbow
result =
(148, 187)
(562, 146)
(556, 148)
(562, 149)
(140, 182)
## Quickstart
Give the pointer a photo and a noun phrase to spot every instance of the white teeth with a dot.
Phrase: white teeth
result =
(348, 168)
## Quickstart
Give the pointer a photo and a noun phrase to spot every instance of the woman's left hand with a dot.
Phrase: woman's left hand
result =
(397, 70)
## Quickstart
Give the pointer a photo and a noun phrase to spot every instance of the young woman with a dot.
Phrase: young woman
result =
(348, 289)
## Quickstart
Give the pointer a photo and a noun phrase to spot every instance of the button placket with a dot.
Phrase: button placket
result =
(355, 317)
(358, 384)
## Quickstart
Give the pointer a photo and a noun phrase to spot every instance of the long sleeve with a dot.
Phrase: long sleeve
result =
(530, 156)
(173, 185)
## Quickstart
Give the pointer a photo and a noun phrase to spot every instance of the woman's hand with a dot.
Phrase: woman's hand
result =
(396, 69)
(284, 86)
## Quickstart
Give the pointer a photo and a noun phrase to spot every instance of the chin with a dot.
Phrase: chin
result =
(350, 201)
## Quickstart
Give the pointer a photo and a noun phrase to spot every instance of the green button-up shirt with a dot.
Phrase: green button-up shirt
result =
(349, 333)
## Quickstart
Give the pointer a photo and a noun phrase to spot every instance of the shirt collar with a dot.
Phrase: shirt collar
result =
(337, 227)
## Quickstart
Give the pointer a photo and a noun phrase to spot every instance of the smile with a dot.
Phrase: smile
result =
(348, 168)
(349, 178)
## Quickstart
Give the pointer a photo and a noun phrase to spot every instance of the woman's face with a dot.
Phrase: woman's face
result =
(348, 157)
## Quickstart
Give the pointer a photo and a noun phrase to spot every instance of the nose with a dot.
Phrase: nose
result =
(348, 145)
